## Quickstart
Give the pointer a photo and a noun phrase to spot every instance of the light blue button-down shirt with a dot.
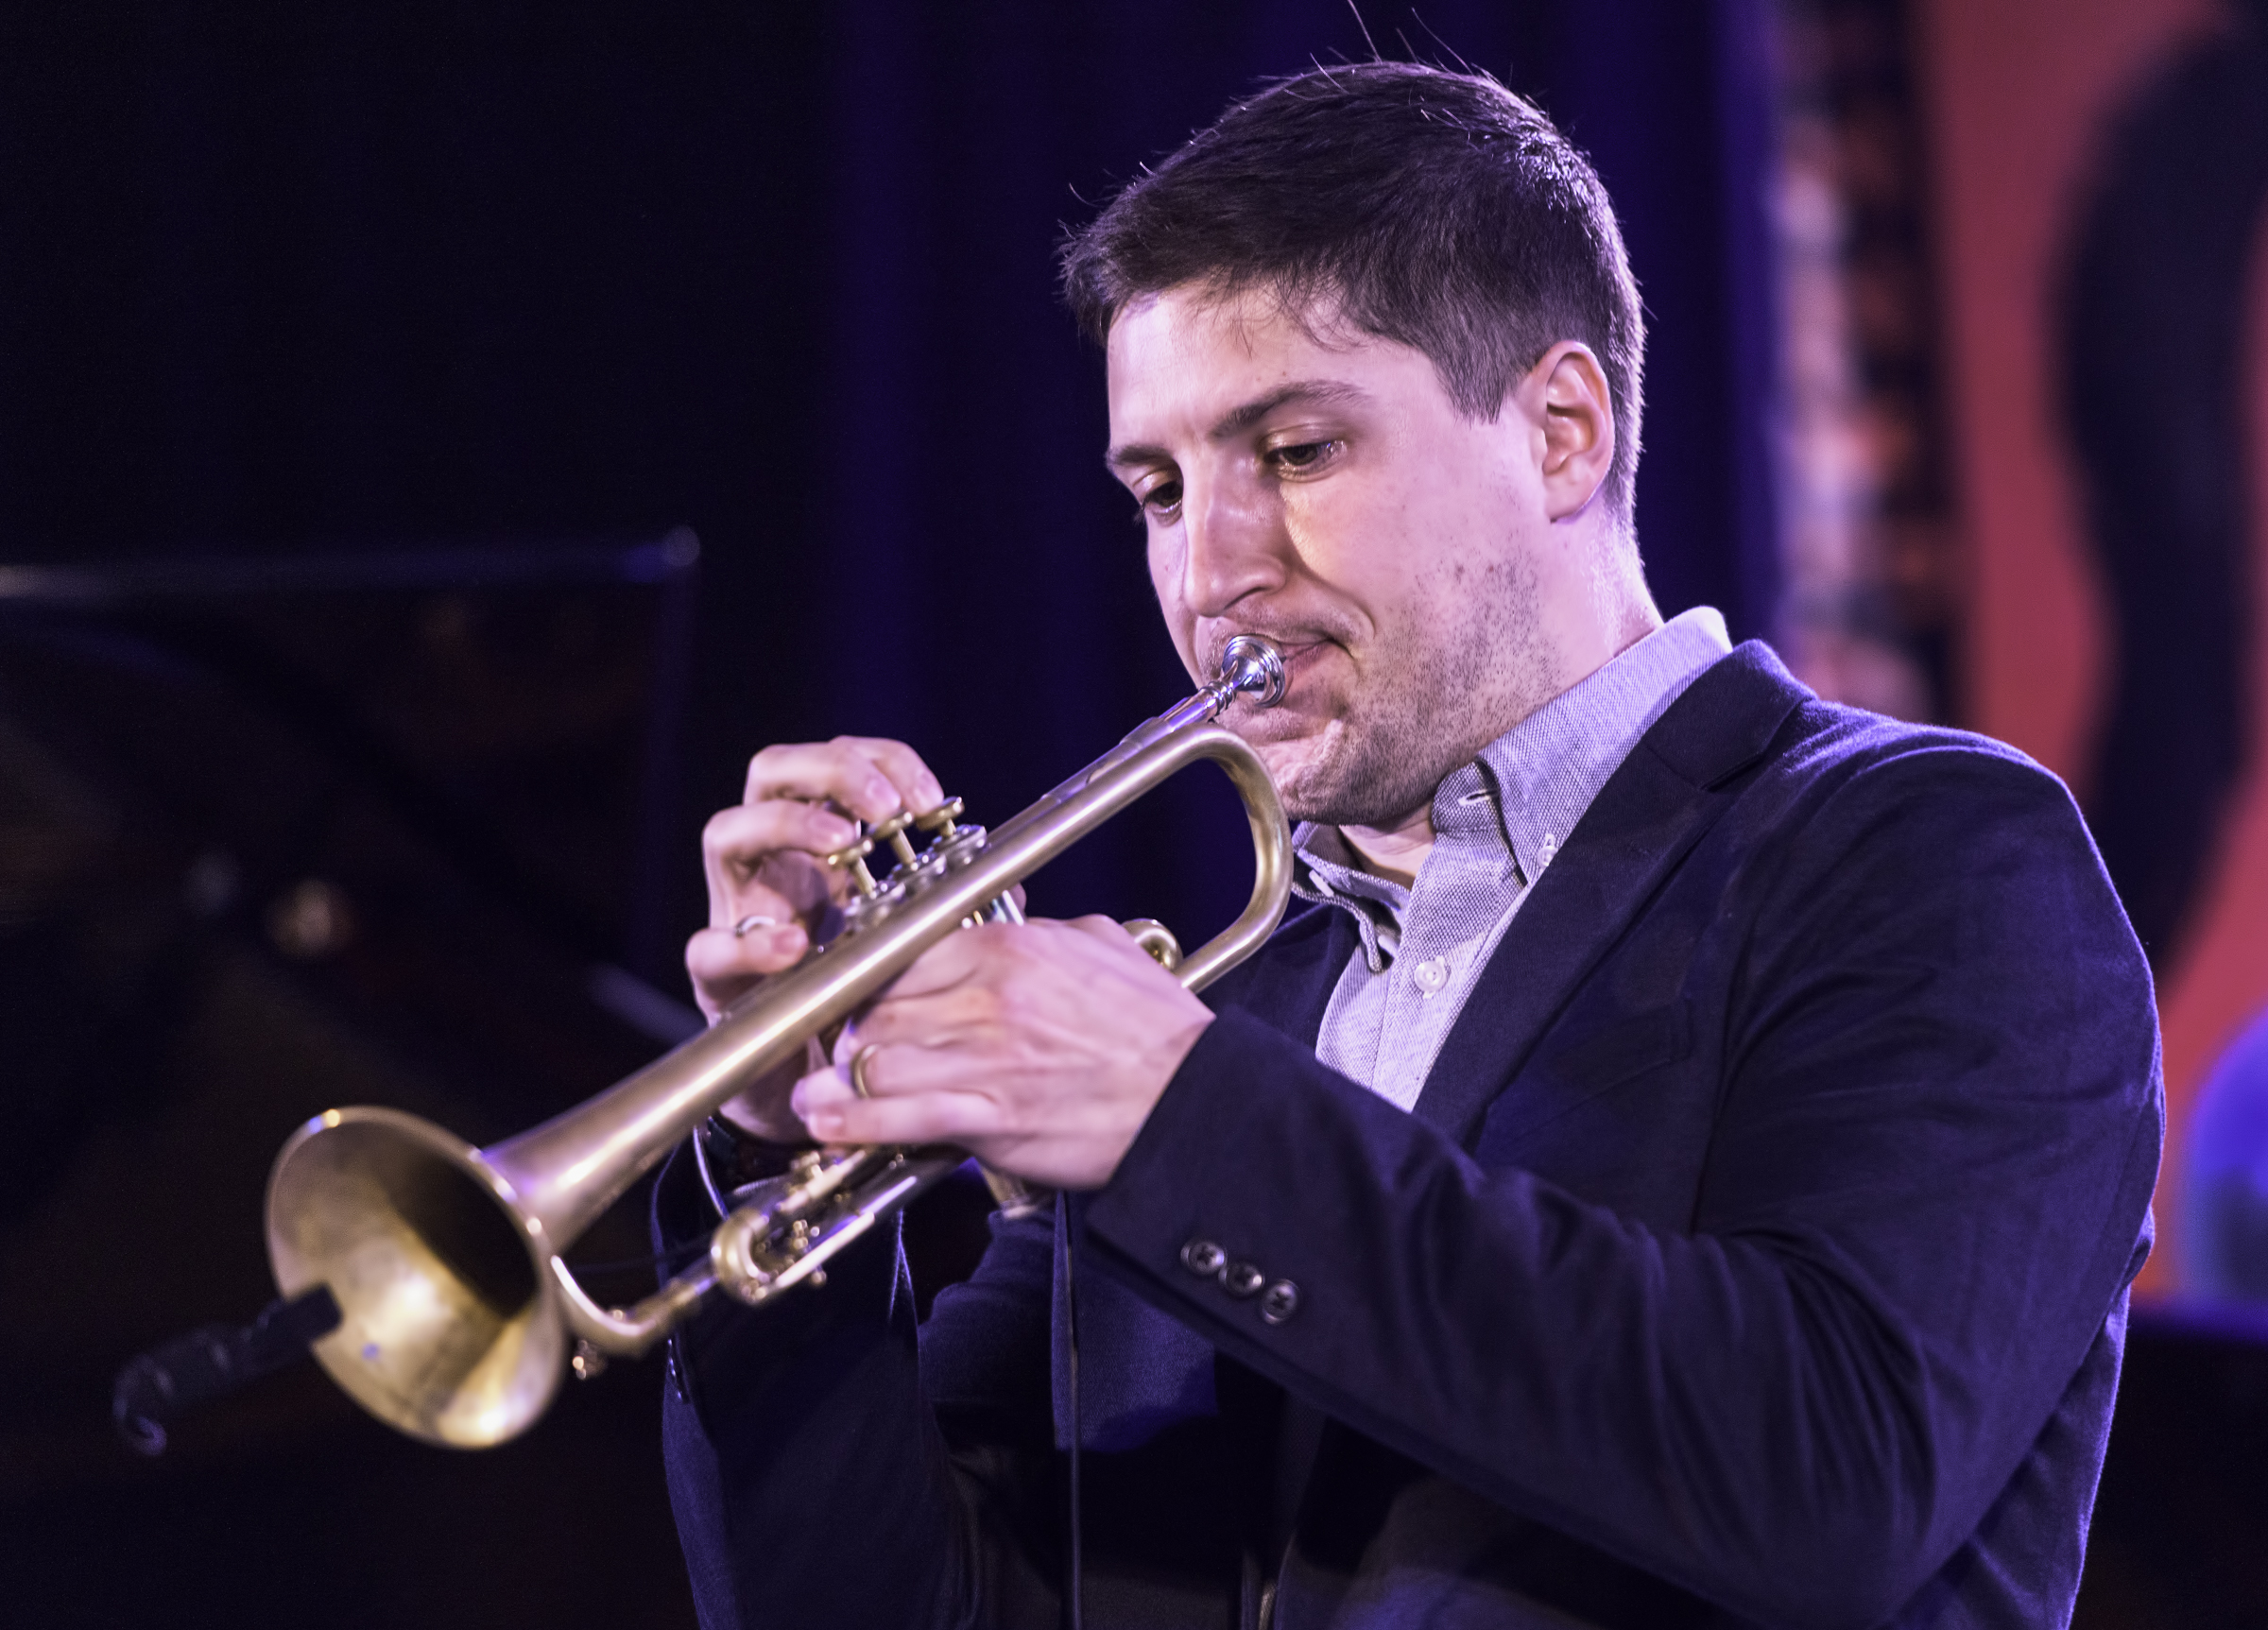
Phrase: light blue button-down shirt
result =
(1498, 821)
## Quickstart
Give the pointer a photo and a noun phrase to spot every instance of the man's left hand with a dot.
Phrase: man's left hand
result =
(1040, 1048)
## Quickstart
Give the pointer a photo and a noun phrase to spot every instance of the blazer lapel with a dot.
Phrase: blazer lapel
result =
(1647, 816)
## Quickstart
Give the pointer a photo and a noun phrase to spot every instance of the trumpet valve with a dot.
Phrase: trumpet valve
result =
(851, 858)
(892, 831)
(941, 819)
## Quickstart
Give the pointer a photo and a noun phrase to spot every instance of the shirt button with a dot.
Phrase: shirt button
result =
(1242, 1278)
(1431, 974)
(1203, 1257)
(1280, 1302)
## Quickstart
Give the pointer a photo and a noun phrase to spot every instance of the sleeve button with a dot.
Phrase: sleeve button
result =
(1242, 1278)
(1281, 1302)
(1203, 1257)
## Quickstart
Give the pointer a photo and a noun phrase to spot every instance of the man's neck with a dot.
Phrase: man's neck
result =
(1396, 850)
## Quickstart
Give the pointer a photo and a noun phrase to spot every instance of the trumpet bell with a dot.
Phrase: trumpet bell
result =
(449, 1329)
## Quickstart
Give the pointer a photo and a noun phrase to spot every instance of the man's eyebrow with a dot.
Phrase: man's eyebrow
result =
(1320, 393)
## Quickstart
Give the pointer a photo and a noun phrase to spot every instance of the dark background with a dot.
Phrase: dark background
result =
(783, 275)
(418, 291)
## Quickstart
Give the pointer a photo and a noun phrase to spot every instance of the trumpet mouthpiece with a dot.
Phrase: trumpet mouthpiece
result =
(1252, 666)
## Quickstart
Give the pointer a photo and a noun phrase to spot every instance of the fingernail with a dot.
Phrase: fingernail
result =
(823, 1124)
(884, 794)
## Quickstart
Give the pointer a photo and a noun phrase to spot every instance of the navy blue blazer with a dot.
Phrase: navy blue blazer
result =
(1756, 1253)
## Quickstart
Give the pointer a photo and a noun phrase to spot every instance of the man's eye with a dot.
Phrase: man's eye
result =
(1302, 456)
(1163, 499)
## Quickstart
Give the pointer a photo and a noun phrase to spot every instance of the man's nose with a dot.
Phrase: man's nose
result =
(1236, 546)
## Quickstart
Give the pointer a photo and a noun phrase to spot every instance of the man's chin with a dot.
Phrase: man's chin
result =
(1303, 769)
(1319, 766)
(1333, 781)
(1290, 757)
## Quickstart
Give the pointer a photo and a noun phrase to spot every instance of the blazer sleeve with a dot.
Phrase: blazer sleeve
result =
(1937, 1129)
(818, 1478)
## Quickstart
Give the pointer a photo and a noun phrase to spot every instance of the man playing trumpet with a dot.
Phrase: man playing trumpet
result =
(1681, 1163)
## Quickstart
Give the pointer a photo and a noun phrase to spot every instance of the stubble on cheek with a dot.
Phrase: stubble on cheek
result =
(1432, 690)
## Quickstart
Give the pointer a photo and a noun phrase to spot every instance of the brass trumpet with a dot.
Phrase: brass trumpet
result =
(456, 1311)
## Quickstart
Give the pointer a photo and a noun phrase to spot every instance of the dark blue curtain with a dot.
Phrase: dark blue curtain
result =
(326, 280)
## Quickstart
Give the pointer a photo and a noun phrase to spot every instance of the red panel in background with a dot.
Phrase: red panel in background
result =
(2019, 91)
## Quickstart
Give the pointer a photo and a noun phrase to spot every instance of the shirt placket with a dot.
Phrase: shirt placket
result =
(1426, 970)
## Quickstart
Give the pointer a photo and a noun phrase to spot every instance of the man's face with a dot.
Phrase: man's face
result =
(1321, 489)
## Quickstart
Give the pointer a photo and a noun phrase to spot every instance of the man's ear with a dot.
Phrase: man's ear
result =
(1577, 414)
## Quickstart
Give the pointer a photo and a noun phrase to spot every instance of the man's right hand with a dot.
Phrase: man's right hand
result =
(770, 890)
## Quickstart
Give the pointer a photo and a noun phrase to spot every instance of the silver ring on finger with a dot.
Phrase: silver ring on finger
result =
(752, 922)
(859, 1061)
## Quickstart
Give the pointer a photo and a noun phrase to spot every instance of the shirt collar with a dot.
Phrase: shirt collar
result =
(1547, 769)
(1524, 792)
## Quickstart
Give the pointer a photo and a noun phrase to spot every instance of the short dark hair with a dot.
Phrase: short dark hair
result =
(1434, 209)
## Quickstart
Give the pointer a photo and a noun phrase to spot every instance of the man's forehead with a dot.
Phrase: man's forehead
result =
(1252, 317)
(1197, 353)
